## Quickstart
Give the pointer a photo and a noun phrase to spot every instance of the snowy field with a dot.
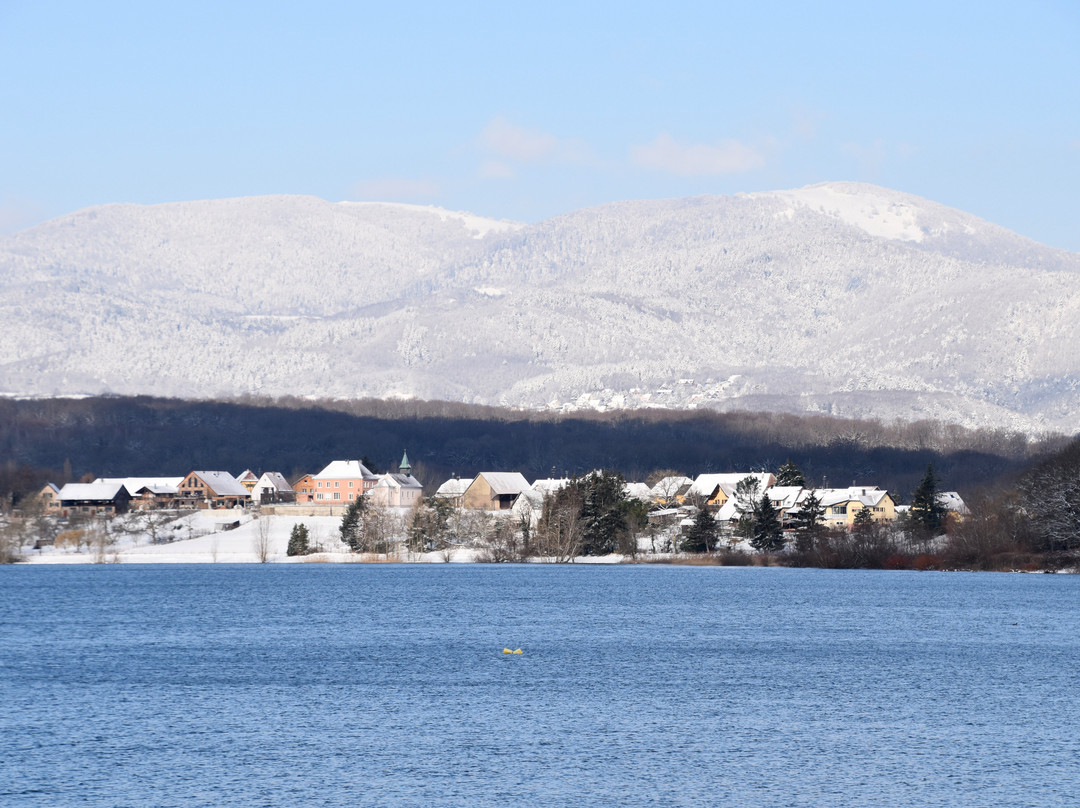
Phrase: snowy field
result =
(207, 537)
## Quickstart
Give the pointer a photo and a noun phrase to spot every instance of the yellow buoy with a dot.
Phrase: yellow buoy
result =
(507, 651)
(518, 651)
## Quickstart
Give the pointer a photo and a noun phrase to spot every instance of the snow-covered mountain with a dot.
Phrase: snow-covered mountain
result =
(841, 298)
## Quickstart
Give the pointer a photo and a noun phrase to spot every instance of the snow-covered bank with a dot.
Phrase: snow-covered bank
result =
(208, 537)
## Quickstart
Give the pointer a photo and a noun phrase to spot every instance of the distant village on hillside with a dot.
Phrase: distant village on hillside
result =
(671, 499)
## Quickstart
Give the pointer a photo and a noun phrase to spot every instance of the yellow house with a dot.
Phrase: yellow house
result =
(843, 504)
(716, 489)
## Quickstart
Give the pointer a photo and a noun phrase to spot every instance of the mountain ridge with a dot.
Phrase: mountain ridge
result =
(839, 297)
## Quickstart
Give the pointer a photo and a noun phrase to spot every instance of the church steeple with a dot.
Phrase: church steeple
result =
(405, 468)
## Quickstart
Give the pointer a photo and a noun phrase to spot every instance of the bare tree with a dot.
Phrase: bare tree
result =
(10, 541)
(100, 539)
(261, 539)
(560, 533)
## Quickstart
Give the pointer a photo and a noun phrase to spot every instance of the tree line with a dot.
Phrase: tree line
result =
(61, 440)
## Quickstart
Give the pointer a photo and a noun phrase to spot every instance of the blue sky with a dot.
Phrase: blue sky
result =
(525, 111)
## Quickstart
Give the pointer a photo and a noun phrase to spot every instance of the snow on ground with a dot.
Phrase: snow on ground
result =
(206, 537)
(873, 212)
(479, 226)
(201, 537)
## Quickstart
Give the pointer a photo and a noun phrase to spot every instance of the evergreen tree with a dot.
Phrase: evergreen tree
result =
(352, 524)
(602, 512)
(298, 541)
(587, 517)
(790, 475)
(926, 512)
(701, 537)
(768, 535)
(806, 522)
(430, 526)
(864, 521)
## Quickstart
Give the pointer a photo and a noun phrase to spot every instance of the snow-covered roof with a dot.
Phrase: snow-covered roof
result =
(247, 476)
(222, 483)
(346, 470)
(729, 511)
(454, 488)
(951, 501)
(663, 512)
(98, 490)
(787, 495)
(551, 485)
(531, 498)
(637, 491)
(504, 483)
(868, 496)
(670, 486)
(395, 480)
(705, 484)
(155, 485)
(273, 480)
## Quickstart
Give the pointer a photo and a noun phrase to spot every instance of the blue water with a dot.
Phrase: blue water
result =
(385, 685)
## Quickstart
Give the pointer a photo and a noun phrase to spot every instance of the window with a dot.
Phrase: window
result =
(337, 495)
(350, 483)
(318, 496)
(337, 484)
(839, 509)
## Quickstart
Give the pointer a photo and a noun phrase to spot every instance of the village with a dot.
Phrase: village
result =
(471, 513)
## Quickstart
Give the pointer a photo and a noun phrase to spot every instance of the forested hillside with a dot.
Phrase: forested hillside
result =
(54, 438)
(843, 299)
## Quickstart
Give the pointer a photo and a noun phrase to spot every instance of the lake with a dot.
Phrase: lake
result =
(386, 685)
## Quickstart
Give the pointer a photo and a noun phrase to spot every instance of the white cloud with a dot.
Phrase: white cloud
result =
(520, 144)
(517, 142)
(395, 189)
(696, 159)
(494, 169)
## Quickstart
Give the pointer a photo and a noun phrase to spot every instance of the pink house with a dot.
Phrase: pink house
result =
(343, 481)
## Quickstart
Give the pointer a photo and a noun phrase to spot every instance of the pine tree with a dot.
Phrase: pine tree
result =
(790, 475)
(806, 522)
(768, 535)
(926, 511)
(864, 521)
(702, 535)
(352, 524)
(298, 541)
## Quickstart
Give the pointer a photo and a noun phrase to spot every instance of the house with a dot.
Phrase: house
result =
(454, 490)
(954, 506)
(785, 499)
(272, 487)
(842, 504)
(248, 479)
(343, 481)
(211, 489)
(494, 490)
(49, 497)
(148, 493)
(638, 491)
(305, 488)
(93, 499)
(671, 490)
(529, 505)
(715, 489)
(397, 491)
(550, 486)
